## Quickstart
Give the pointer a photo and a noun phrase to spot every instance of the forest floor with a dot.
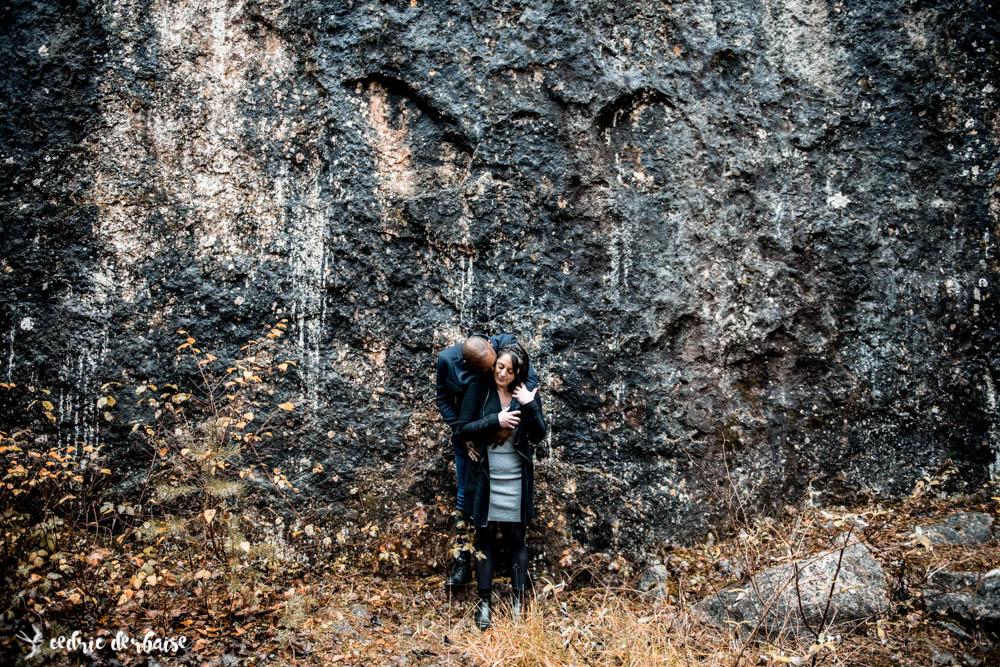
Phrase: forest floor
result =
(600, 618)
(321, 613)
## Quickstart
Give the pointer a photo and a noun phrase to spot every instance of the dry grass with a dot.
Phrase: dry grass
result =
(585, 627)
(599, 628)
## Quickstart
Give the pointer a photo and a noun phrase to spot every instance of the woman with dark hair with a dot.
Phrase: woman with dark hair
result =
(503, 421)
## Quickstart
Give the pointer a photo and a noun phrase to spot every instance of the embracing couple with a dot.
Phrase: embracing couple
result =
(487, 392)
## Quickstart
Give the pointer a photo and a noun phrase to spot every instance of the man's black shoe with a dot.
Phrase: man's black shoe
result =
(461, 572)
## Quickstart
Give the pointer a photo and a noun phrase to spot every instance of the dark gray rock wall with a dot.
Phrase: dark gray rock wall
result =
(749, 241)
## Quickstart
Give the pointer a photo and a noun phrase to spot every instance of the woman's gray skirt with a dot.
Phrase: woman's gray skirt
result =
(505, 482)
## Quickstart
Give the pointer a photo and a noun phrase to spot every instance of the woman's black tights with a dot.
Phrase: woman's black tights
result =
(488, 544)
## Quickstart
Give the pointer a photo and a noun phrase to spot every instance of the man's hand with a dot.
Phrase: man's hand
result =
(524, 396)
(473, 453)
(500, 437)
(509, 419)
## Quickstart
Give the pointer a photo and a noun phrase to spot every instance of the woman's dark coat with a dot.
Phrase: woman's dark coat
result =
(479, 422)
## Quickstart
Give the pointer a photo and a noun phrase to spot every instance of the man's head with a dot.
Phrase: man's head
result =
(479, 354)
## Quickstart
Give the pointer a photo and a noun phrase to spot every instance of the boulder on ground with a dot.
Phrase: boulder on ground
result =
(835, 589)
(962, 528)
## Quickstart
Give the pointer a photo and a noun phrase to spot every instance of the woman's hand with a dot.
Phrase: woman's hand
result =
(472, 451)
(524, 396)
(509, 419)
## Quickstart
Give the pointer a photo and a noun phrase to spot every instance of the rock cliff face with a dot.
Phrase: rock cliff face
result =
(751, 244)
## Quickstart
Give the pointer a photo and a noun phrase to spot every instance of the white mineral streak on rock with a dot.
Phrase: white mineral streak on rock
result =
(619, 243)
(611, 278)
(80, 419)
(991, 394)
(800, 34)
(465, 288)
(308, 261)
(989, 390)
(464, 223)
(10, 357)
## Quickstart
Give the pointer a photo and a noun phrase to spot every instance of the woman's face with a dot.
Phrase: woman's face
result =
(503, 370)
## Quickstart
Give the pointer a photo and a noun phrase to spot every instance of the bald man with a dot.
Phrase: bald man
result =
(457, 367)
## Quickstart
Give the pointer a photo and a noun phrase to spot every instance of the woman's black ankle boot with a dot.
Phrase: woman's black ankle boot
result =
(517, 604)
(482, 617)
